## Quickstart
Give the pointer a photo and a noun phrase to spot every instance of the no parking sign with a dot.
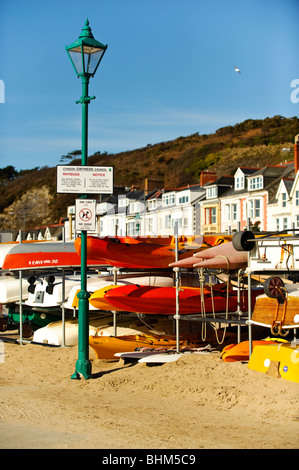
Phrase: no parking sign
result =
(85, 214)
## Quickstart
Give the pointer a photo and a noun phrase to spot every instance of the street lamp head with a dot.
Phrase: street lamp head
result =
(86, 53)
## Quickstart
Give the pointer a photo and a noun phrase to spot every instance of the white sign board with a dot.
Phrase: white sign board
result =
(85, 216)
(84, 179)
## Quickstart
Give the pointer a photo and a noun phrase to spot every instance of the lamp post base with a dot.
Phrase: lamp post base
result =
(83, 369)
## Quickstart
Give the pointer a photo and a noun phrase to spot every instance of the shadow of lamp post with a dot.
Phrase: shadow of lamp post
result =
(85, 54)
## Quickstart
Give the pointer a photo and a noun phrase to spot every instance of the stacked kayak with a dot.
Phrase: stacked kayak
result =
(143, 252)
(106, 347)
(162, 300)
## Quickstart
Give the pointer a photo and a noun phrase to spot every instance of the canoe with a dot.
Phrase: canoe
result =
(162, 300)
(6, 247)
(140, 253)
(240, 351)
(278, 360)
(106, 347)
(41, 255)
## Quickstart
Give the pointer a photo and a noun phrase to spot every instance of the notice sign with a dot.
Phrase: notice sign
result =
(85, 218)
(84, 179)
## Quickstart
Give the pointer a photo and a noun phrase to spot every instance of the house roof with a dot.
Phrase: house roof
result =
(225, 180)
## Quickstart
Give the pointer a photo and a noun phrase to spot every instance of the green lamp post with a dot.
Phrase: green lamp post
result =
(86, 54)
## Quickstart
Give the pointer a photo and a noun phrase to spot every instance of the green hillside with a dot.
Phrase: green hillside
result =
(28, 197)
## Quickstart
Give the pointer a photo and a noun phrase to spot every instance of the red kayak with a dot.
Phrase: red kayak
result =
(162, 300)
(144, 252)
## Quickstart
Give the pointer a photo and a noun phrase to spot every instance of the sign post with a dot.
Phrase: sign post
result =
(85, 215)
(84, 179)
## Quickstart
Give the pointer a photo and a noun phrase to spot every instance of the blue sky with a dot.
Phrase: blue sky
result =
(168, 72)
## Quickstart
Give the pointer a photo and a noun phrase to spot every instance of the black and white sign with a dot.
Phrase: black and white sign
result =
(84, 179)
(85, 215)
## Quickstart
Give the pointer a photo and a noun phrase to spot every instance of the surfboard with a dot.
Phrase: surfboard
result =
(160, 358)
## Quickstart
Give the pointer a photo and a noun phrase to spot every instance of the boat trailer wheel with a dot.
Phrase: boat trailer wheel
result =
(274, 287)
(27, 330)
(3, 323)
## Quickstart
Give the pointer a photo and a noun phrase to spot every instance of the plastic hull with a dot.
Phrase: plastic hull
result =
(144, 253)
(162, 300)
(283, 358)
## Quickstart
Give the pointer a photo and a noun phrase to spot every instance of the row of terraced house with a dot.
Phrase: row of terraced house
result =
(267, 198)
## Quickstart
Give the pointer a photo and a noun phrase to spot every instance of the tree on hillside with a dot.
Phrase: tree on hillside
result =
(70, 156)
(8, 173)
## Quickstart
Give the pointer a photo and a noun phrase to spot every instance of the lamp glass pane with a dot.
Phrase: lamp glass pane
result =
(91, 60)
(77, 60)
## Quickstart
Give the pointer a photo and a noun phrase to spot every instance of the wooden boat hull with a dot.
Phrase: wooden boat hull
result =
(160, 300)
(107, 347)
(280, 360)
(269, 312)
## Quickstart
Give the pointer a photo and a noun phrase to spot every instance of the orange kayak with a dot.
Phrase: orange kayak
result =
(105, 347)
(240, 351)
(142, 252)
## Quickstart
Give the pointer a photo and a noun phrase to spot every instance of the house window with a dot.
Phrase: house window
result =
(234, 211)
(254, 208)
(297, 198)
(255, 183)
(257, 208)
(210, 215)
(183, 199)
(227, 212)
(211, 192)
(168, 221)
(285, 223)
(284, 199)
(239, 182)
(152, 204)
(213, 215)
(277, 224)
(168, 199)
(150, 224)
(297, 221)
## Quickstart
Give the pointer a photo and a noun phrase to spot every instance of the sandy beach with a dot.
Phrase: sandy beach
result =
(197, 402)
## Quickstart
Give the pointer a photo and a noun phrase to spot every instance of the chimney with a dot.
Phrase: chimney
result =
(296, 153)
(208, 176)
